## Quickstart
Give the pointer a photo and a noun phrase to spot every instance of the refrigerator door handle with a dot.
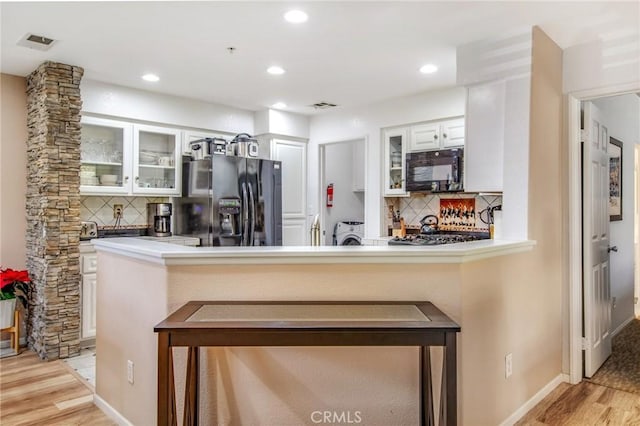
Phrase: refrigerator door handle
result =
(245, 216)
(253, 216)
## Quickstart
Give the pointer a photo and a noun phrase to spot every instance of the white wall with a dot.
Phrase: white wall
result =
(285, 123)
(601, 63)
(119, 101)
(360, 122)
(347, 205)
(622, 116)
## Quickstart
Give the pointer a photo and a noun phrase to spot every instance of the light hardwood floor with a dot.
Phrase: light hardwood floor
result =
(585, 404)
(35, 392)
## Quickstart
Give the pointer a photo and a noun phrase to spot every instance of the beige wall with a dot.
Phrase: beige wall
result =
(264, 386)
(514, 304)
(127, 310)
(13, 170)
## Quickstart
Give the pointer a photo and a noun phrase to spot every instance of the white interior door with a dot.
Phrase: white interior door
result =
(293, 156)
(597, 292)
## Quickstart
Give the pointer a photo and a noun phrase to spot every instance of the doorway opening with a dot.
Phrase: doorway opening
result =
(636, 294)
(342, 191)
(619, 115)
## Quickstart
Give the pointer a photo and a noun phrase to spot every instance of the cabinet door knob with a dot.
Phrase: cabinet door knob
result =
(126, 179)
(444, 135)
(435, 136)
(137, 179)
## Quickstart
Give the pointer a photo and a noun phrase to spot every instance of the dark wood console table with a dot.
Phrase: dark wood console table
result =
(283, 323)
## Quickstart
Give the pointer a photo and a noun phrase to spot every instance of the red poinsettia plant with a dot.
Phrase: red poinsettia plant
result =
(14, 284)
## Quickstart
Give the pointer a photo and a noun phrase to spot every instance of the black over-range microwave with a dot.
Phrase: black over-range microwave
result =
(435, 171)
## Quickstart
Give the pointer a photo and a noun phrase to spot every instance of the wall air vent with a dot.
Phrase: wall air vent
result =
(323, 105)
(38, 42)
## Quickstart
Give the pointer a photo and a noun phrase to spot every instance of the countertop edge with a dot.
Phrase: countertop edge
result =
(170, 254)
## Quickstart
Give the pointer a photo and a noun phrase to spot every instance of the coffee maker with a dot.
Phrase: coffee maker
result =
(159, 219)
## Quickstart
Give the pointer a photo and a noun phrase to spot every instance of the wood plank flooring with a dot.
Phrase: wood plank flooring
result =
(35, 392)
(585, 404)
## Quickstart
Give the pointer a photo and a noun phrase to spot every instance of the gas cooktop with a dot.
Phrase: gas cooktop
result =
(437, 239)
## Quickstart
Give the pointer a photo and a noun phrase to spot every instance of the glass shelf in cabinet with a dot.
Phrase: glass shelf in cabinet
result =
(101, 163)
(155, 166)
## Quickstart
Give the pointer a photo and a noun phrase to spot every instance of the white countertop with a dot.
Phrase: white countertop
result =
(171, 254)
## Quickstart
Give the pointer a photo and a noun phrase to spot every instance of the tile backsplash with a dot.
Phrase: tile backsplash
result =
(414, 208)
(100, 209)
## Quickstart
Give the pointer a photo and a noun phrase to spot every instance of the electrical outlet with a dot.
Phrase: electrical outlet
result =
(635, 300)
(614, 302)
(130, 371)
(508, 365)
(118, 210)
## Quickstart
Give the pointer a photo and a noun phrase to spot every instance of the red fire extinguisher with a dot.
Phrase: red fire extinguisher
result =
(330, 195)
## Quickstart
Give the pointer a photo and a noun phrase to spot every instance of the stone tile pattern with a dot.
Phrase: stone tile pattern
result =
(53, 209)
(417, 206)
(99, 209)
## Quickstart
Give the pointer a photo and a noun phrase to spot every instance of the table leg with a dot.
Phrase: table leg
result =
(191, 388)
(166, 389)
(426, 392)
(16, 336)
(449, 389)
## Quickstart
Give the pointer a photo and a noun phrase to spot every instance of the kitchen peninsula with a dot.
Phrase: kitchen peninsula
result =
(141, 282)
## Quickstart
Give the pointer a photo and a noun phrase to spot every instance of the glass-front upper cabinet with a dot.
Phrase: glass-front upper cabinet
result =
(395, 145)
(156, 160)
(117, 157)
(103, 158)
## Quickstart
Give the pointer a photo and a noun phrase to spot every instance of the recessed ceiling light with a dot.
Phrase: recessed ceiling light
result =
(279, 105)
(428, 69)
(151, 77)
(296, 16)
(275, 70)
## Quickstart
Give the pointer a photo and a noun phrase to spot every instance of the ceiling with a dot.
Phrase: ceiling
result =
(347, 53)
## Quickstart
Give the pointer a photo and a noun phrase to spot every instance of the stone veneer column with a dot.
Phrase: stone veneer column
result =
(53, 209)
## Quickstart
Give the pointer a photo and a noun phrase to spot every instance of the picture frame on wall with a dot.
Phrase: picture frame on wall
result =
(615, 179)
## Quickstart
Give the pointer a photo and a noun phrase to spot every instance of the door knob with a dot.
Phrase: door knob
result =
(610, 249)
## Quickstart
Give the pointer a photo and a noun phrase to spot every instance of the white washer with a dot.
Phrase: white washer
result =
(348, 233)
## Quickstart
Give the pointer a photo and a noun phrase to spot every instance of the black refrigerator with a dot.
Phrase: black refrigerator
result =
(230, 201)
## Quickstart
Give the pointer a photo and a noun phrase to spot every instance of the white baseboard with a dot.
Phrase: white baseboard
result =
(623, 325)
(535, 399)
(110, 411)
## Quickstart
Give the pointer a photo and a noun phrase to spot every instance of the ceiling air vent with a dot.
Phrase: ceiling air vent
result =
(323, 105)
(38, 42)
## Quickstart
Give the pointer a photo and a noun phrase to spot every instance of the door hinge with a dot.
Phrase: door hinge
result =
(585, 343)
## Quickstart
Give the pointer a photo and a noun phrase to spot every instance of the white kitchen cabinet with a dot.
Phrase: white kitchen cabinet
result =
(453, 133)
(88, 266)
(425, 137)
(157, 160)
(121, 158)
(437, 135)
(293, 155)
(395, 146)
(105, 152)
(358, 165)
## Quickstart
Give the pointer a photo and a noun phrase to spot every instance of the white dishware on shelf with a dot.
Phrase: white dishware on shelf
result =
(108, 180)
